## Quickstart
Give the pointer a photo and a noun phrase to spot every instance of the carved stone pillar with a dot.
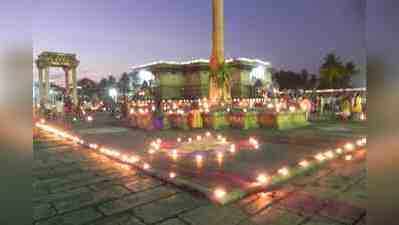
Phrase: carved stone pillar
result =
(74, 87)
(41, 86)
(67, 81)
(46, 85)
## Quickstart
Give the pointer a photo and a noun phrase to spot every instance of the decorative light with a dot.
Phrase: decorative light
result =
(190, 140)
(320, 157)
(199, 138)
(42, 121)
(178, 140)
(349, 147)
(208, 134)
(232, 148)
(74, 119)
(219, 193)
(292, 109)
(133, 159)
(93, 146)
(263, 179)
(175, 154)
(159, 141)
(198, 158)
(224, 141)
(89, 118)
(172, 175)
(151, 151)
(348, 157)
(304, 163)
(338, 150)
(329, 154)
(146, 166)
(360, 142)
(219, 137)
(283, 171)
(220, 155)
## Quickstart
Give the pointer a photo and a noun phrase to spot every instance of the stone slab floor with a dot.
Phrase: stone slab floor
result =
(74, 186)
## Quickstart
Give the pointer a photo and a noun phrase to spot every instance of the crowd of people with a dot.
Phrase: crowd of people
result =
(343, 105)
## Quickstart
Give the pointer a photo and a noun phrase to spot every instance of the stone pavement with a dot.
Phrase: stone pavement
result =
(75, 186)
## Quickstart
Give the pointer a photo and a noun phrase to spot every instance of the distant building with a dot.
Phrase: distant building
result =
(175, 80)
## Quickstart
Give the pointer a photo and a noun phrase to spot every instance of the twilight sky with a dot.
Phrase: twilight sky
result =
(111, 36)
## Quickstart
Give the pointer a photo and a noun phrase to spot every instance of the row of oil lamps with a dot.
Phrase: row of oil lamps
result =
(219, 192)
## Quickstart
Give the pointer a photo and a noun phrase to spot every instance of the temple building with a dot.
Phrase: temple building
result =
(190, 80)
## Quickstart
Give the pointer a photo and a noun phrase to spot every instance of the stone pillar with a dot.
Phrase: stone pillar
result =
(74, 87)
(41, 86)
(46, 85)
(218, 32)
(67, 81)
(217, 57)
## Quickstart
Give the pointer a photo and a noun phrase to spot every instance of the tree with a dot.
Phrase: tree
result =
(123, 84)
(88, 88)
(350, 71)
(335, 73)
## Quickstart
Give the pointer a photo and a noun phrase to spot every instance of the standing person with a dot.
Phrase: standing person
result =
(306, 106)
(346, 108)
(59, 108)
(322, 103)
(357, 106)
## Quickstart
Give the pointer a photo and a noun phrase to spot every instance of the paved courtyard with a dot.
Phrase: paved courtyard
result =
(76, 186)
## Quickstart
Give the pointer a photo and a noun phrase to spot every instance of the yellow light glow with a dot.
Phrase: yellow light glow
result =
(178, 140)
(329, 154)
(284, 171)
(199, 138)
(190, 140)
(146, 166)
(338, 150)
(349, 147)
(151, 151)
(172, 175)
(208, 134)
(320, 157)
(93, 146)
(232, 148)
(304, 163)
(219, 193)
(198, 158)
(262, 179)
(348, 157)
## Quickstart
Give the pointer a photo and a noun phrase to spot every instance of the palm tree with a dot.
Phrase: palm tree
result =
(350, 70)
(331, 71)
